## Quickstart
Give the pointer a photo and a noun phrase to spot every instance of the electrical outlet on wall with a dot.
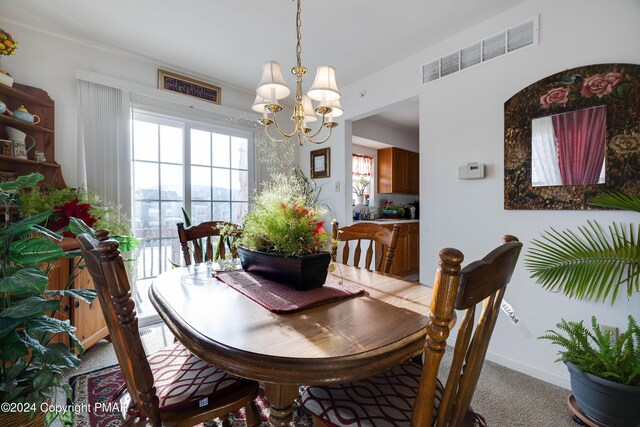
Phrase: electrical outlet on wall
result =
(612, 329)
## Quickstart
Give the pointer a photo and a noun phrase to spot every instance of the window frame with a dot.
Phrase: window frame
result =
(161, 117)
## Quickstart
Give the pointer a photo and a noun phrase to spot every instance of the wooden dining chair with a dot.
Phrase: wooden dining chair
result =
(171, 387)
(410, 394)
(383, 239)
(194, 235)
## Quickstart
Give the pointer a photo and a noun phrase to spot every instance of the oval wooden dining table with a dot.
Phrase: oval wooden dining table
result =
(339, 341)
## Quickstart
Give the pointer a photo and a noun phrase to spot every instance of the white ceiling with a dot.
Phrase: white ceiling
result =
(227, 41)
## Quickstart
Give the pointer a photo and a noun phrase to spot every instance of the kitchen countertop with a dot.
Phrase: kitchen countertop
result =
(389, 221)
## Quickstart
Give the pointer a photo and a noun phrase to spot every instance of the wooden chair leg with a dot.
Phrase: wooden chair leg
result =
(317, 422)
(252, 415)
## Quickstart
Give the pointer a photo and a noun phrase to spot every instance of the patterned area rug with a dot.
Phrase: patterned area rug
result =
(93, 393)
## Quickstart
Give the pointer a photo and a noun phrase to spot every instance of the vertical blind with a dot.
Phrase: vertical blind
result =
(104, 160)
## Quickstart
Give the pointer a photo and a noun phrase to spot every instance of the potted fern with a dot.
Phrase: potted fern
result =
(595, 264)
(604, 372)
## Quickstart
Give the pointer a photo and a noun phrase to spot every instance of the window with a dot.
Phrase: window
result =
(176, 164)
(361, 171)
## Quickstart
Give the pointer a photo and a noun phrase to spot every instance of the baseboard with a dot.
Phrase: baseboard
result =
(541, 374)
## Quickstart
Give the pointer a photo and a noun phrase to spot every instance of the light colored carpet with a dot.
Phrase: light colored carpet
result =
(505, 398)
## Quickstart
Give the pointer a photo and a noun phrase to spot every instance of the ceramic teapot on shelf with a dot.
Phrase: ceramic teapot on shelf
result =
(21, 113)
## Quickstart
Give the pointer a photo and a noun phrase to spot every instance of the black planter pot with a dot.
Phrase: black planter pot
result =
(606, 402)
(301, 273)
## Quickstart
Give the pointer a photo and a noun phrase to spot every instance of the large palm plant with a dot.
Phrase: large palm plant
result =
(592, 263)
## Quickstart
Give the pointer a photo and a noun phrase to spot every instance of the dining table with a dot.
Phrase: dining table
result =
(337, 341)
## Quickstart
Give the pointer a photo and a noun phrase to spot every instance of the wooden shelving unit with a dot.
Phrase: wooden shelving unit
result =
(87, 318)
(37, 102)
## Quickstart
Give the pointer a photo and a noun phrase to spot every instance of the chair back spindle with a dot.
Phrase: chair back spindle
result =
(481, 282)
(114, 293)
(193, 236)
(382, 239)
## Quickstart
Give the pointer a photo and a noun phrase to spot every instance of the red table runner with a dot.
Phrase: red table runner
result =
(279, 298)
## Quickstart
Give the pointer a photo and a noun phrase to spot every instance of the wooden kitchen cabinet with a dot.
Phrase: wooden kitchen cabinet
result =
(398, 171)
(58, 278)
(406, 259)
(87, 318)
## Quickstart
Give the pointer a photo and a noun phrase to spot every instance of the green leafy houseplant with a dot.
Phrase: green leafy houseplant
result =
(104, 215)
(359, 188)
(593, 351)
(32, 363)
(285, 219)
(592, 263)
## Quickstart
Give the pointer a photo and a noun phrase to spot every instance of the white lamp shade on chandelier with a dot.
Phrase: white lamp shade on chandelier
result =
(336, 108)
(324, 91)
(308, 110)
(272, 85)
(259, 103)
(324, 88)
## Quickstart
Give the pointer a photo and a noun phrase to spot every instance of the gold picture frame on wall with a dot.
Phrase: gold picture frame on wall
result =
(173, 82)
(321, 163)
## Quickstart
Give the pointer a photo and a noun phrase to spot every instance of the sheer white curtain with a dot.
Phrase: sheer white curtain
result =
(104, 153)
(544, 154)
(361, 165)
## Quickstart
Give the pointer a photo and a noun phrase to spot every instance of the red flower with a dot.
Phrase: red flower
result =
(319, 229)
(72, 209)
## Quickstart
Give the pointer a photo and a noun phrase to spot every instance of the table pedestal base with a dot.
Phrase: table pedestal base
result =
(280, 397)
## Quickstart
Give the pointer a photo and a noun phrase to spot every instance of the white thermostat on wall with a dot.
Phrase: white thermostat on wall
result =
(471, 171)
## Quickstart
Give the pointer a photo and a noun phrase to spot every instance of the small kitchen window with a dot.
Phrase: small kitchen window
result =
(362, 172)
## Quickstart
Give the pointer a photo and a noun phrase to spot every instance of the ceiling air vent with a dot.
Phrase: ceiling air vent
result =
(509, 40)
(520, 36)
(493, 46)
(470, 56)
(450, 64)
(431, 71)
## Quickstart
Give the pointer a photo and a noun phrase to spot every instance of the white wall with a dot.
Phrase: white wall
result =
(461, 120)
(372, 129)
(49, 62)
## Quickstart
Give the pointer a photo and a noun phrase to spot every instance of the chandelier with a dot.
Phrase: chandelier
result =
(324, 91)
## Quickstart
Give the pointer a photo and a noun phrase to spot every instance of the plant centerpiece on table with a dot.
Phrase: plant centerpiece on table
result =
(283, 236)
(594, 264)
(32, 361)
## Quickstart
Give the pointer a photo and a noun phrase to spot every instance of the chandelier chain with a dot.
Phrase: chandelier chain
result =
(298, 35)
(323, 87)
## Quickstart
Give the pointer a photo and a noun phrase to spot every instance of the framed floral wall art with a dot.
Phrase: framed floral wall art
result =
(572, 135)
